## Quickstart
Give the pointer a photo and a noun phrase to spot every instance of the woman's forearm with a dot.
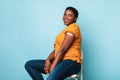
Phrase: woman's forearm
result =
(63, 49)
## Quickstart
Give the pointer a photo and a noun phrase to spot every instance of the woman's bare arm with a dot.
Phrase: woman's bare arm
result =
(67, 42)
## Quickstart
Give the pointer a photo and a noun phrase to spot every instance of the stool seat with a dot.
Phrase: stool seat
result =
(75, 77)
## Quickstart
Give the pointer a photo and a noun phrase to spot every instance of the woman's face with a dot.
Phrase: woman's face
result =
(68, 17)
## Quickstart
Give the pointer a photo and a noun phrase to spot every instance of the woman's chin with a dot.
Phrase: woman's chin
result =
(65, 23)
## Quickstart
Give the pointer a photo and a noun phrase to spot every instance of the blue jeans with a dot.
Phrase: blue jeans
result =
(65, 68)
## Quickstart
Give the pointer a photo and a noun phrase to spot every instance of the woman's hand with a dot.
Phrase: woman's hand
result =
(51, 68)
(47, 66)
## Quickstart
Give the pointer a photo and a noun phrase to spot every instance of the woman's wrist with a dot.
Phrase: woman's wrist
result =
(47, 59)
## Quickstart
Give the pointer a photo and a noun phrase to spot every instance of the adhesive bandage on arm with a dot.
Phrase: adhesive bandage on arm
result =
(70, 34)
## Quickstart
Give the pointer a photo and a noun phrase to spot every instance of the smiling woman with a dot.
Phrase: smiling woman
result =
(70, 15)
(65, 59)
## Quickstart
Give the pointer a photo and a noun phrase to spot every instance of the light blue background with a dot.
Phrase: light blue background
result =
(28, 29)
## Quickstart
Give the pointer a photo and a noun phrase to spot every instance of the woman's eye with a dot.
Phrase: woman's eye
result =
(70, 15)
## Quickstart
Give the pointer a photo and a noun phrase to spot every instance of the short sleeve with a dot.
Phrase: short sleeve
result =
(74, 29)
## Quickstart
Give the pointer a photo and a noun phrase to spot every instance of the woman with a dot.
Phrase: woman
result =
(65, 59)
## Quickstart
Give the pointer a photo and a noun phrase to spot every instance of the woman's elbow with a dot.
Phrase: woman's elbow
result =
(64, 50)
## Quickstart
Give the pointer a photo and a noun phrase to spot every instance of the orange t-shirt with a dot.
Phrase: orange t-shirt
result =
(74, 52)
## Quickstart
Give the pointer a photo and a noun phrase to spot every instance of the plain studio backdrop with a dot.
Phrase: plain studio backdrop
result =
(28, 29)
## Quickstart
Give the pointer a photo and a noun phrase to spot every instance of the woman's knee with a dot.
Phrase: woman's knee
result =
(34, 64)
(28, 64)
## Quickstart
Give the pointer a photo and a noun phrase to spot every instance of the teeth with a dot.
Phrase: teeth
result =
(66, 20)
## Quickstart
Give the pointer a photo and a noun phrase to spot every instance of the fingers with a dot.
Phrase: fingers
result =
(47, 67)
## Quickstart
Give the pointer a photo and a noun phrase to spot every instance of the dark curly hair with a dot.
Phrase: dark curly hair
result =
(75, 11)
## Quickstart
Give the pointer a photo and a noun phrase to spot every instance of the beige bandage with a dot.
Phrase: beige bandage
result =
(70, 34)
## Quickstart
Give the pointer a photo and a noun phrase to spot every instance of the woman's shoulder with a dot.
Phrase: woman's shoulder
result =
(73, 25)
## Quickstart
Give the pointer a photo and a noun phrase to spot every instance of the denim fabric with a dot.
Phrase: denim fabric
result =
(65, 68)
